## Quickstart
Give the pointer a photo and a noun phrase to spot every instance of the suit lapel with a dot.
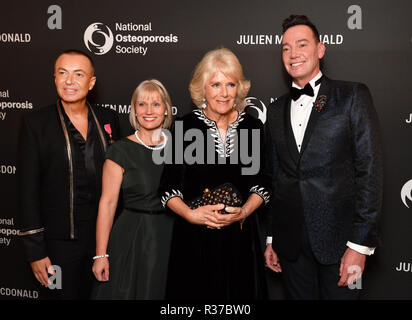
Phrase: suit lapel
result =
(99, 129)
(315, 115)
(290, 137)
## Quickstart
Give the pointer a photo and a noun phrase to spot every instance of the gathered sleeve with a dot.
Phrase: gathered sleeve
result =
(117, 154)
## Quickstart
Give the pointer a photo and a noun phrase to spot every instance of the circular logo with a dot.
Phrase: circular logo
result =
(406, 193)
(98, 38)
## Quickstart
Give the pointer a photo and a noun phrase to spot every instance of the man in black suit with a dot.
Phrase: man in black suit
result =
(326, 165)
(61, 154)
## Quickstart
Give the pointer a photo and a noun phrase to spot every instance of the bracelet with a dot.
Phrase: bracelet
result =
(244, 218)
(102, 256)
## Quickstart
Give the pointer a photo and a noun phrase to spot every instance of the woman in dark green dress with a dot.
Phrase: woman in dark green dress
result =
(131, 259)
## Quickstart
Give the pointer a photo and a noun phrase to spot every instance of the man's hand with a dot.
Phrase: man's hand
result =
(40, 269)
(351, 267)
(272, 260)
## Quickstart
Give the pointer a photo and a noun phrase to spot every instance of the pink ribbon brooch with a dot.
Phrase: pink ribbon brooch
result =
(109, 131)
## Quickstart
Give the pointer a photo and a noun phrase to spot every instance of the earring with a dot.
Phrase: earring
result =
(165, 113)
(234, 105)
(204, 104)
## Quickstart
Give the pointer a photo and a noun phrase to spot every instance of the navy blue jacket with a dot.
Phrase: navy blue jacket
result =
(334, 185)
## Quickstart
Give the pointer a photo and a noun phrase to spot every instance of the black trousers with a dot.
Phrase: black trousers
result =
(74, 258)
(307, 279)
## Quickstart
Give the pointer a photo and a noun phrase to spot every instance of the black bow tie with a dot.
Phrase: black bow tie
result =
(308, 90)
(296, 93)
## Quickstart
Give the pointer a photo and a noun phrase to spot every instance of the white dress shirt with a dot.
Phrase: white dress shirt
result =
(300, 111)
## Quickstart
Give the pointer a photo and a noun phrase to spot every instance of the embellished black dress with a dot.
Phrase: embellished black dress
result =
(139, 242)
(227, 263)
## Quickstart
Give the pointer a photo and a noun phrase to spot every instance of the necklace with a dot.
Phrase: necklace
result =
(159, 147)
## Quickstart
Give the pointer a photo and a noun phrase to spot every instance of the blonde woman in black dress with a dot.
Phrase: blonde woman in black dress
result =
(132, 257)
(213, 255)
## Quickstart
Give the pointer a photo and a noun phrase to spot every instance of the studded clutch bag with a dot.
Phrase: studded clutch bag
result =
(225, 193)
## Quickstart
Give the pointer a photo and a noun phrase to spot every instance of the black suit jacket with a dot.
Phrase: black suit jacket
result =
(44, 177)
(334, 185)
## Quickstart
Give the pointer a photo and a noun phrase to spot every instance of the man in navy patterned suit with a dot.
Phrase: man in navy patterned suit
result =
(326, 165)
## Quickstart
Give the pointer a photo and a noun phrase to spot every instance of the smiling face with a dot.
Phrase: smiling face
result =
(220, 94)
(150, 110)
(73, 76)
(301, 54)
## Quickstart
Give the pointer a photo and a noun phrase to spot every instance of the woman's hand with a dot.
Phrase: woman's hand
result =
(239, 214)
(209, 215)
(234, 214)
(101, 269)
(206, 215)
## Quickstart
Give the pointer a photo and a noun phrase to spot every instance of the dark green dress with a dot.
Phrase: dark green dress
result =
(140, 239)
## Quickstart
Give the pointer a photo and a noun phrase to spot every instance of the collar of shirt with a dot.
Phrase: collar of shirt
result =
(300, 111)
(312, 82)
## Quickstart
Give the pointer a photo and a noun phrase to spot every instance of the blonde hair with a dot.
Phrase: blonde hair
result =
(150, 86)
(222, 60)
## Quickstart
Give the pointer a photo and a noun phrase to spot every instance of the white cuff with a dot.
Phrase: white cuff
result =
(261, 192)
(269, 240)
(361, 249)
(169, 195)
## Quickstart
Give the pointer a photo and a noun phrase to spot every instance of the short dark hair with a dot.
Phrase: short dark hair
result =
(296, 20)
(78, 52)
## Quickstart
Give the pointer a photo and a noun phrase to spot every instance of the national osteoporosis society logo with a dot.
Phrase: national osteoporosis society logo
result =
(98, 38)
